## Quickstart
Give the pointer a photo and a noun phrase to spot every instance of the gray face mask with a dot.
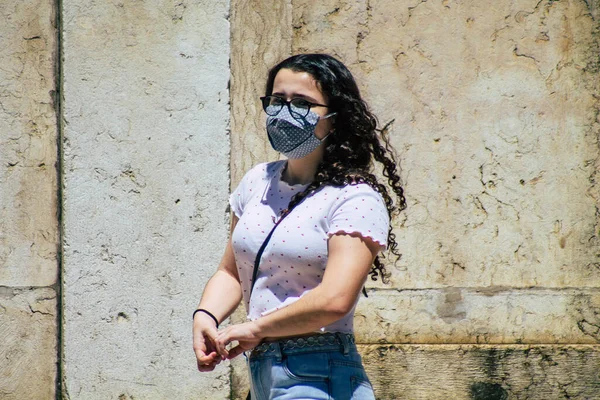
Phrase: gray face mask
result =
(294, 138)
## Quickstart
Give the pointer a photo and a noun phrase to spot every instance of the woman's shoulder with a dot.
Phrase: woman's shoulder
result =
(263, 171)
(354, 189)
(358, 196)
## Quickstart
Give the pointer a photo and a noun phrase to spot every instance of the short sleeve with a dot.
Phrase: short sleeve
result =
(361, 210)
(248, 187)
(238, 199)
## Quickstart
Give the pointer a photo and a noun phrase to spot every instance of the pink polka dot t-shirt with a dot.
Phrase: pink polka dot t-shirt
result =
(294, 261)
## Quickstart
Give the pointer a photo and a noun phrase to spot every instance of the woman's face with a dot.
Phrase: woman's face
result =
(291, 85)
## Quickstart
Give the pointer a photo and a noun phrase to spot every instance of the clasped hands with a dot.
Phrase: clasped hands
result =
(210, 344)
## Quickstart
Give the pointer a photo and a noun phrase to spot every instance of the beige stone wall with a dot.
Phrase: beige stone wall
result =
(494, 113)
(260, 37)
(28, 200)
(29, 340)
(146, 171)
(28, 234)
(483, 372)
(143, 110)
(496, 120)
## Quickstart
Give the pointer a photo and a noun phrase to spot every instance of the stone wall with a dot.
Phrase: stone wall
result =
(146, 171)
(28, 200)
(101, 308)
(494, 112)
(113, 195)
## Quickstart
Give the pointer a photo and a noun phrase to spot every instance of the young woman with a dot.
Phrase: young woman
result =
(321, 217)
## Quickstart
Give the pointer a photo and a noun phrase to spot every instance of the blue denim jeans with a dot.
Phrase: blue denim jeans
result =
(325, 367)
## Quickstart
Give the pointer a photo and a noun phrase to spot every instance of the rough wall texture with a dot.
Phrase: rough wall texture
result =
(28, 349)
(495, 114)
(146, 165)
(28, 228)
(496, 119)
(485, 102)
(28, 200)
(474, 372)
(254, 52)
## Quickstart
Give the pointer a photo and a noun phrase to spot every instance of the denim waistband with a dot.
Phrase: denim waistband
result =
(330, 341)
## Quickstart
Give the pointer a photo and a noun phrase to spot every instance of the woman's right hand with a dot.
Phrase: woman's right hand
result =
(204, 336)
(222, 295)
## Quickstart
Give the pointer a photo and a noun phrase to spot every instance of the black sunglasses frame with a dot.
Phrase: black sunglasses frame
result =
(266, 102)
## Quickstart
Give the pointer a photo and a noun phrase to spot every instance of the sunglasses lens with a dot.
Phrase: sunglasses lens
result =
(272, 110)
(299, 108)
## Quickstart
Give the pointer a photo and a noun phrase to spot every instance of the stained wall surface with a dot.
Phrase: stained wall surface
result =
(146, 171)
(28, 200)
(493, 109)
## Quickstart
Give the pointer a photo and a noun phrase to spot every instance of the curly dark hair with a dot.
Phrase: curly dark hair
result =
(355, 143)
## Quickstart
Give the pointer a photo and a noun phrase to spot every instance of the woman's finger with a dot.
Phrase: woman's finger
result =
(234, 352)
(206, 368)
(211, 361)
(206, 358)
(215, 340)
(222, 340)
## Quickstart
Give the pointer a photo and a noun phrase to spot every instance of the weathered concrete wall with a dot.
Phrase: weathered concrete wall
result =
(29, 343)
(28, 229)
(260, 38)
(146, 160)
(475, 372)
(28, 200)
(483, 315)
(496, 121)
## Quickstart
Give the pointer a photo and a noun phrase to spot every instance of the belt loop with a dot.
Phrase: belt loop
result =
(278, 347)
(343, 338)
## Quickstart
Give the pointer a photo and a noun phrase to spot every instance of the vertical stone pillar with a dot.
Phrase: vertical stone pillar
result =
(28, 200)
(146, 160)
(261, 36)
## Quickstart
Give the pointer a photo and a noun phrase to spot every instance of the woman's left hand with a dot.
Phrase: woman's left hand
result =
(246, 334)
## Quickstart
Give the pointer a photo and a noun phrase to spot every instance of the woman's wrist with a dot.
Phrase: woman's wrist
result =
(257, 329)
(207, 313)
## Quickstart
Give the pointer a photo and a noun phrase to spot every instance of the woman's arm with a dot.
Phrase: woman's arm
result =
(221, 297)
(349, 262)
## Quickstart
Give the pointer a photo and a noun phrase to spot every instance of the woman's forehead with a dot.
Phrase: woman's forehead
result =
(301, 83)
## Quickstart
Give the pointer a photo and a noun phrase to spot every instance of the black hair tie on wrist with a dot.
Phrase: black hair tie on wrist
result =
(207, 313)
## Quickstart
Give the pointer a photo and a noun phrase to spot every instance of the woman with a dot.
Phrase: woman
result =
(321, 218)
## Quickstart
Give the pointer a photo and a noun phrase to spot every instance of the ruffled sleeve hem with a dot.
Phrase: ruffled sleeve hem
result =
(373, 236)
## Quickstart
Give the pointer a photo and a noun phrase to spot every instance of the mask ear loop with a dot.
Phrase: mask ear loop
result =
(332, 130)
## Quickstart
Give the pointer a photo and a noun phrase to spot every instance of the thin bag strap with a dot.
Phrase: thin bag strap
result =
(262, 249)
(264, 245)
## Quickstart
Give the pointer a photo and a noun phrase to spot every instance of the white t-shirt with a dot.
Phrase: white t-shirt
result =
(294, 261)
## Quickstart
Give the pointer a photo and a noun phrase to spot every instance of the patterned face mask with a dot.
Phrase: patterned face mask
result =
(294, 137)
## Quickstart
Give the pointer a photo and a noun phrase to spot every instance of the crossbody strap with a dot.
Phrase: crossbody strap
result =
(262, 249)
(264, 245)
(267, 239)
